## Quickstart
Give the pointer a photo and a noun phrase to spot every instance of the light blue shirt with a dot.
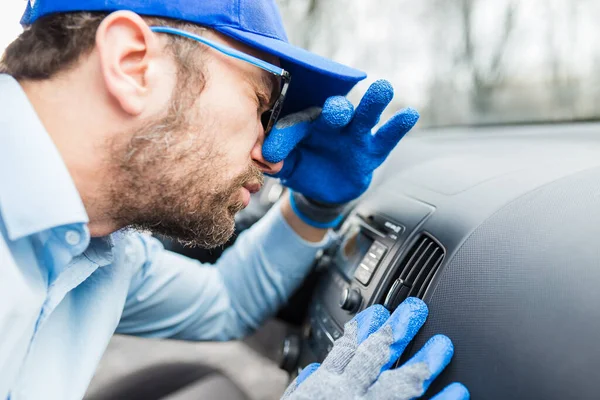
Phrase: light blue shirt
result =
(64, 294)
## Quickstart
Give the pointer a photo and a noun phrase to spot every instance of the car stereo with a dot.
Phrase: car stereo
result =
(356, 271)
(374, 259)
(351, 270)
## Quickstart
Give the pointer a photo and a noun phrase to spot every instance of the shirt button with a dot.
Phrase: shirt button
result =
(72, 238)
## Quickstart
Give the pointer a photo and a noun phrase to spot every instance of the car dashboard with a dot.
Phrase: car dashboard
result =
(496, 228)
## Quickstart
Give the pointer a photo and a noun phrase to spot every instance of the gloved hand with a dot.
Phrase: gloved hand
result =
(358, 366)
(330, 154)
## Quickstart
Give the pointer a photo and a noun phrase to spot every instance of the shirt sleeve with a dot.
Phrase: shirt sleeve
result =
(174, 296)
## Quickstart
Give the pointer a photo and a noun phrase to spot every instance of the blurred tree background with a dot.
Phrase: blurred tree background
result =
(464, 62)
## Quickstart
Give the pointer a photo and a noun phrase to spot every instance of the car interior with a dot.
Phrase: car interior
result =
(494, 229)
(489, 211)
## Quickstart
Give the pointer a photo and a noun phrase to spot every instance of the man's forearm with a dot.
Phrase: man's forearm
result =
(267, 263)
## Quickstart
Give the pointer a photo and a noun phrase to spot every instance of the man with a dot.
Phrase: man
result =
(158, 115)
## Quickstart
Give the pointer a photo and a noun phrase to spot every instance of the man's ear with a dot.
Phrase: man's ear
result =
(126, 48)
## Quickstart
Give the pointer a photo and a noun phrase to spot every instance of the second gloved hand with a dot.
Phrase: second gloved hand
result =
(330, 154)
(358, 366)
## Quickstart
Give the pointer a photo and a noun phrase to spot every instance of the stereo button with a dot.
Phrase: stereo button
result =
(370, 263)
(363, 275)
(336, 334)
(378, 250)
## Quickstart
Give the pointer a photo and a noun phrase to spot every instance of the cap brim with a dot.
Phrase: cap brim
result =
(314, 78)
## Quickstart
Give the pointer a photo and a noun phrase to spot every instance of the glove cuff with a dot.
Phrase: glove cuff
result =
(317, 214)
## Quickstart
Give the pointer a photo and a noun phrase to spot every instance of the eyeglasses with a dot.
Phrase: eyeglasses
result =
(268, 118)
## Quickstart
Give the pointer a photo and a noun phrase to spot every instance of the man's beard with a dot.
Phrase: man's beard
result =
(170, 181)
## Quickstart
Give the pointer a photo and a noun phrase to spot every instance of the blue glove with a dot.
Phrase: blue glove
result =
(330, 155)
(358, 366)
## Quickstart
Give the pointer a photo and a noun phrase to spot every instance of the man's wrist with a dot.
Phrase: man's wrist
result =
(316, 214)
(304, 230)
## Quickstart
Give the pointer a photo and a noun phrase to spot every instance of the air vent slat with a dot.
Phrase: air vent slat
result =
(417, 270)
(421, 262)
(415, 253)
(425, 269)
(429, 277)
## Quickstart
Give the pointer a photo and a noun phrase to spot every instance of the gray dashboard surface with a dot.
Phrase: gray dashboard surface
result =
(518, 212)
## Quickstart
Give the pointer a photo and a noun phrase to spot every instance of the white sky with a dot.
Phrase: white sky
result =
(400, 43)
(10, 14)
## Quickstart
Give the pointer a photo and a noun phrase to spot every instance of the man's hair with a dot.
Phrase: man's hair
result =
(55, 43)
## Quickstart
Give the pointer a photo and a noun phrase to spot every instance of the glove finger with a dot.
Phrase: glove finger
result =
(305, 373)
(289, 164)
(356, 331)
(388, 136)
(435, 356)
(414, 377)
(381, 350)
(405, 322)
(337, 113)
(454, 391)
(287, 133)
(368, 112)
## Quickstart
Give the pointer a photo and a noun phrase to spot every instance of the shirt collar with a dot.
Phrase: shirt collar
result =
(36, 190)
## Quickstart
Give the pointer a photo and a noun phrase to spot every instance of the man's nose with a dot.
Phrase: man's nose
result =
(265, 166)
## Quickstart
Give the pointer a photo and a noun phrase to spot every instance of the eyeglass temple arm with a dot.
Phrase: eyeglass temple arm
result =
(223, 49)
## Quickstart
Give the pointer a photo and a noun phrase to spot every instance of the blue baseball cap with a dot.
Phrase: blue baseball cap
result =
(256, 23)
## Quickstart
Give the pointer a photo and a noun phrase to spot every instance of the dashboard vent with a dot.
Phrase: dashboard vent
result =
(417, 270)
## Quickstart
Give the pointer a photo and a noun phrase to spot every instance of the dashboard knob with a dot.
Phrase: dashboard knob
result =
(290, 353)
(324, 262)
(350, 300)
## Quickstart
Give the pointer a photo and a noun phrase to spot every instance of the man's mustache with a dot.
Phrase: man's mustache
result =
(252, 175)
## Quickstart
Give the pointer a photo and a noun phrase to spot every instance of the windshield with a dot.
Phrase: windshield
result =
(459, 62)
(465, 62)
